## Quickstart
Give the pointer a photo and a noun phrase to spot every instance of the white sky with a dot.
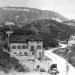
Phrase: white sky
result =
(64, 7)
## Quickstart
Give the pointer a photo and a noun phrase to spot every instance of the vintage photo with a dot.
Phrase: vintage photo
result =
(37, 37)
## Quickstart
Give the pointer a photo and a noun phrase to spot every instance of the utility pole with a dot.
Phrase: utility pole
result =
(9, 32)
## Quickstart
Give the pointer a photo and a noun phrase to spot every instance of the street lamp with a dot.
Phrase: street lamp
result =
(8, 23)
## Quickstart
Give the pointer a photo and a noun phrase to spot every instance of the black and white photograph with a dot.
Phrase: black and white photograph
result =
(37, 37)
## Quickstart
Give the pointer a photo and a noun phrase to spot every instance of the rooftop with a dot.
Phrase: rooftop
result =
(23, 39)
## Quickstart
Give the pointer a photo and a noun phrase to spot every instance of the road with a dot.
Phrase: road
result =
(21, 73)
(61, 63)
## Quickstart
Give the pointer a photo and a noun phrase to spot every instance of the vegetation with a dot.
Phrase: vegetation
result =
(49, 30)
(69, 56)
(20, 18)
(72, 55)
(8, 63)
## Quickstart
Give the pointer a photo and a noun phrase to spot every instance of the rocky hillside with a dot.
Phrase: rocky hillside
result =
(23, 15)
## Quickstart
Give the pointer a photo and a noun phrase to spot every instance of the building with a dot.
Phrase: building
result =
(23, 46)
(72, 40)
(57, 19)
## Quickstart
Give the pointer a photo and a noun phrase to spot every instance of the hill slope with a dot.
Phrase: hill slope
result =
(49, 30)
(69, 22)
(8, 63)
(23, 15)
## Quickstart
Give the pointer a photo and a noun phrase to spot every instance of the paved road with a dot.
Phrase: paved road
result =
(61, 63)
(27, 73)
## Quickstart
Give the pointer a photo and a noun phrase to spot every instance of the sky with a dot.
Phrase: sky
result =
(64, 7)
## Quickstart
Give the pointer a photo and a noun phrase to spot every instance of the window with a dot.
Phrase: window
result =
(53, 66)
(26, 53)
(71, 38)
(20, 53)
(19, 47)
(39, 47)
(13, 47)
(15, 53)
(24, 47)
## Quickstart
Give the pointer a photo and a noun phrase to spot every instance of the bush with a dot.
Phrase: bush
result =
(7, 63)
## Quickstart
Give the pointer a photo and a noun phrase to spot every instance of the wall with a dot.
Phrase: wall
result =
(37, 51)
(18, 50)
(35, 44)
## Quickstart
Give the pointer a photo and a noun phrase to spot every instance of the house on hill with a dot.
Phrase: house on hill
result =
(23, 46)
(72, 40)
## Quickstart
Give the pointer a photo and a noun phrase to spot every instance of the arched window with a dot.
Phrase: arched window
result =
(26, 53)
(20, 53)
(38, 47)
(71, 38)
(24, 47)
(19, 47)
(32, 48)
(13, 47)
(53, 66)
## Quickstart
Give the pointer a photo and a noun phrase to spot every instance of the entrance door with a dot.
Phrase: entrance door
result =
(32, 50)
(39, 56)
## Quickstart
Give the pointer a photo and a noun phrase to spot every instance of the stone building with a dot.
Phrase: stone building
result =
(72, 40)
(22, 46)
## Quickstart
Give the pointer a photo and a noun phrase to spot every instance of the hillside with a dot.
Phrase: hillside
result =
(52, 28)
(23, 15)
(8, 63)
(49, 30)
(69, 22)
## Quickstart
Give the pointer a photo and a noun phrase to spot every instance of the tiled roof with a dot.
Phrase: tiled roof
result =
(23, 39)
(20, 39)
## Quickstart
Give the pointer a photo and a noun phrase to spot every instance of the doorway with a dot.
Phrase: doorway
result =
(39, 56)
(32, 49)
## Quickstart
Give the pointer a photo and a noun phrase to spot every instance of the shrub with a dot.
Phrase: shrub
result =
(7, 63)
